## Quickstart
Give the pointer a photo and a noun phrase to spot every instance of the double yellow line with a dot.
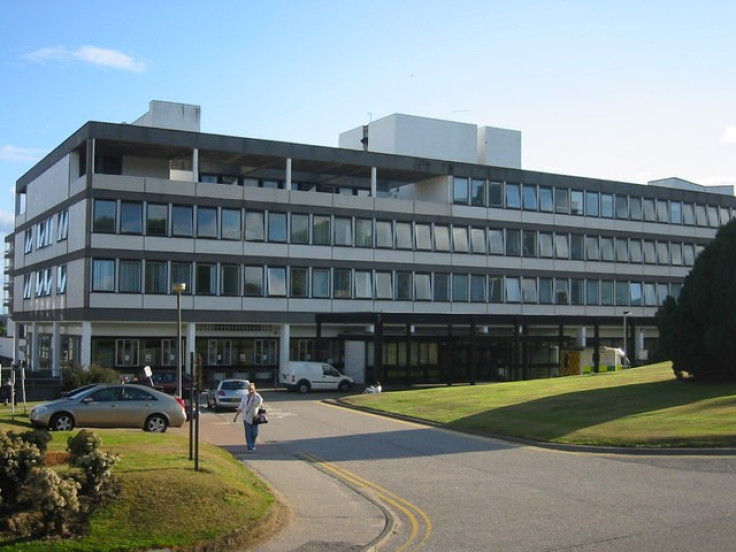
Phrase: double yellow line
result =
(419, 522)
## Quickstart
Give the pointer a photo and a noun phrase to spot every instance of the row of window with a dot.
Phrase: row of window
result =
(45, 231)
(134, 276)
(530, 197)
(296, 228)
(44, 282)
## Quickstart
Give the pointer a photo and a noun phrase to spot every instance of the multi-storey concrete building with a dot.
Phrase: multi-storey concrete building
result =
(417, 251)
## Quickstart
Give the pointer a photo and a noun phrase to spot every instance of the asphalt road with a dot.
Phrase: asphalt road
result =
(359, 481)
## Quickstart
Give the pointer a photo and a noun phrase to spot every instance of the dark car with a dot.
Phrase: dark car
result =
(166, 382)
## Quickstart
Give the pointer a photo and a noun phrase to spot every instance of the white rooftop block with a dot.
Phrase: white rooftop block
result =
(172, 116)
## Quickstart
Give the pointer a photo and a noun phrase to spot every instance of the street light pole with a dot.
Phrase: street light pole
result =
(626, 313)
(178, 289)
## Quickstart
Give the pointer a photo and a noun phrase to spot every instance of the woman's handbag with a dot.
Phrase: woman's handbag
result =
(261, 417)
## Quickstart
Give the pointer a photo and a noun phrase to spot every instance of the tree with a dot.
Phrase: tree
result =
(700, 330)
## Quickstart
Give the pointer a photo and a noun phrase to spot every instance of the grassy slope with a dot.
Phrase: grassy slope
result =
(637, 407)
(165, 502)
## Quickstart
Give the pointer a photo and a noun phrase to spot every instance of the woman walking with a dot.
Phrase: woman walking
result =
(249, 406)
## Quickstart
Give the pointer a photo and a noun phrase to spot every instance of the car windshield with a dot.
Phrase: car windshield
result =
(234, 385)
(79, 392)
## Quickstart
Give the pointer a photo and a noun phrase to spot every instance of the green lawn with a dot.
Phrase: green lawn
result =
(639, 407)
(165, 502)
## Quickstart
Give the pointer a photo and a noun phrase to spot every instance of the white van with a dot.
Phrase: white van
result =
(304, 376)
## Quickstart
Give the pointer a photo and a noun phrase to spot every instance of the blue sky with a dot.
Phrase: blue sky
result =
(624, 90)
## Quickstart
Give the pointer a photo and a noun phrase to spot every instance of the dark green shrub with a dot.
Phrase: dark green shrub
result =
(82, 443)
(77, 376)
(55, 498)
(17, 459)
(38, 437)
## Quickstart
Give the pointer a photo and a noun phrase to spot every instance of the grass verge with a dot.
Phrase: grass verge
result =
(640, 407)
(165, 503)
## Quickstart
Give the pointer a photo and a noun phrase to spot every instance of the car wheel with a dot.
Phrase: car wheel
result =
(303, 387)
(156, 423)
(62, 422)
(344, 386)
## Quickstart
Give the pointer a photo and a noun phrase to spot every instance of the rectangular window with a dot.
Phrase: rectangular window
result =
(460, 194)
(131, 217)
(529, 290)
(545, 245)
(181, 273)
(404, 236)
(545, 199)
(63, 225)
(495, 194)
(321, 282)
(28, 241)
(253, 281)
(513, 195)
(341, 284)
(206, 222)
(460, 287)
(27, 286)
(276, 281)
(530, 197)
(688, 214)
(126, 352)
(562, 250)
(663, 212)
(561, 292)
(299, 282)
(675, 212)
(156, 277)
(622, 250)
(591, 293)
(649, 252)
(219, 352)
(384, 234)
(495, 289)
(607, 205)
(343, 231)
(441, 287)
(577, 247)
(230, 280)
(478, 193)
(254, 226)
(650, 295)
(529, 243)
(104, 216)
(363, 284)
(513, 290)
(577, 291)
(230, 224)
(460, 239)
(635, 251)
(622, 294)
(103, 275)
(277, 227)
(384, 286)
(607, 293)
(299, 228)
(650, 215)
(61, 280)
(606, 245)
(635, 294)
(662, 293)
(688, 254)
(622, 207)
(635, 209)
(576, 202)
(545, 291)
(404, 286)
(442, 238)
(513, 243)
(663, 253)
(562, 200)
(157, 219)
(321, 230)
(591, 248)
(182, 221)
(423, 237)
(495, 242)
(363, 232)
(478, 240)
(422, 287)
(130, 280)
(477, 288)
(713, 218)
(591, 204)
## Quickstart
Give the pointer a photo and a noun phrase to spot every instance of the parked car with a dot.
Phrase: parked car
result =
(305, 376)
(166, 382)
(123, 405)
(227, 394)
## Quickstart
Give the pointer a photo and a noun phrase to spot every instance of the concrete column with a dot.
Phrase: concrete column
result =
(195, 165)
(284, 346)
(86, 346)
(374, 181)
(190, 331)
(288, 173)
(33, 350)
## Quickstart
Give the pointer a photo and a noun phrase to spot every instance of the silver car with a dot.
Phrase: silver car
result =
(111, 405)
(227, 394)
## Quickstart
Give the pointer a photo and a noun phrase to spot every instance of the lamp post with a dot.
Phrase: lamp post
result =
(626, 313)
(178, 289)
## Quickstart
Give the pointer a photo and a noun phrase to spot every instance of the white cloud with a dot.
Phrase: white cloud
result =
(15, 154)
(729, 135)
(89, 54)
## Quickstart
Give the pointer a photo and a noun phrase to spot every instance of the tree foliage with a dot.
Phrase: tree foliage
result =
(699, 331)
